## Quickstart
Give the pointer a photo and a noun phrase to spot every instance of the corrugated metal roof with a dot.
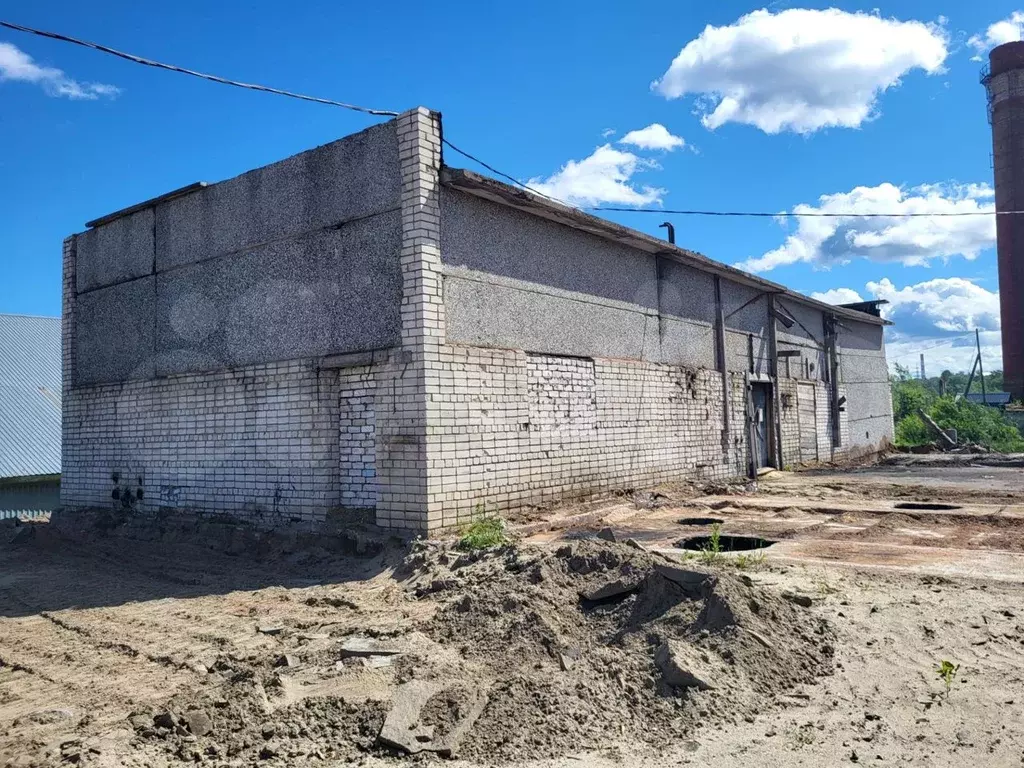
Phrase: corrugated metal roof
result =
(990, 398)
(30, 391)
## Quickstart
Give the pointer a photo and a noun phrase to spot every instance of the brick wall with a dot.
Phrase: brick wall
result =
(520, 428)
(260, 442)
(357, 423)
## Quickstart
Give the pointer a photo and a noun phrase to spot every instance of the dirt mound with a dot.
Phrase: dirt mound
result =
(570, 640)
(523, 653)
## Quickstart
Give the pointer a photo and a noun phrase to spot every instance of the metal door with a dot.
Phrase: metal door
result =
(759, 399)
(807, 410)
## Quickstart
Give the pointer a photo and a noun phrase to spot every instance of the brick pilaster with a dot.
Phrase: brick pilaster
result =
(404, 398)
(67, 332)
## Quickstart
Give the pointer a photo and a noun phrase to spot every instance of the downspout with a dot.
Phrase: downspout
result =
(773, 358)
(723, 368)
(833, 377)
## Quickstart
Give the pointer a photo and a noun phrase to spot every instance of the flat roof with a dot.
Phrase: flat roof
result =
(179, 192)
(505, 194)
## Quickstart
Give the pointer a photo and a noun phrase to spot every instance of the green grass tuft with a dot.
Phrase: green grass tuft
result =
(710, 554)
(485, 533)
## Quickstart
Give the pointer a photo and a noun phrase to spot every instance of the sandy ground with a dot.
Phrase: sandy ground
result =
(95, 631)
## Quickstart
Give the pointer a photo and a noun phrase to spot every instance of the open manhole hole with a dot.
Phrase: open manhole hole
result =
(725, 543)
(700, 521)
(924, 505)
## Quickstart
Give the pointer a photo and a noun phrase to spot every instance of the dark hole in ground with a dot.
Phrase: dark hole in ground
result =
(924, 505)
(699, 520)
(725, 543)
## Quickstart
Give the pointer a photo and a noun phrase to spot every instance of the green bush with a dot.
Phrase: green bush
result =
(908, 395)
(911, 430)
(973, 422)
(976, 423)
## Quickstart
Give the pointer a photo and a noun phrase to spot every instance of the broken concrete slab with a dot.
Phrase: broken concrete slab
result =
(618, 588)
(448, 744)
(404, 727)
(198, 722)
(683, 666)
(693, 582)
(567, 659)
(368, 646)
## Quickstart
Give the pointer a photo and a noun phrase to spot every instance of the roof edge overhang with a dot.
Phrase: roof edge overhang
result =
(496, 191)
(29, 479)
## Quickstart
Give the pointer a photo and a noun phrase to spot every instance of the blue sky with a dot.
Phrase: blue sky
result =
(855, 109)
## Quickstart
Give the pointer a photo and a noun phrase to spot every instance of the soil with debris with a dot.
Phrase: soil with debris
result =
(503, 655)
(167, 647)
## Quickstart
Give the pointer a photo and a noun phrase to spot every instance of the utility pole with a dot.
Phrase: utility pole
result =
(922, 367)
(981, 368)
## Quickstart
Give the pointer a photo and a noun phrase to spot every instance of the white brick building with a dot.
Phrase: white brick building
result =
(362, 327)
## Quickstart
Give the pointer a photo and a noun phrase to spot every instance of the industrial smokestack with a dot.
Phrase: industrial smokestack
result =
(1004, 84)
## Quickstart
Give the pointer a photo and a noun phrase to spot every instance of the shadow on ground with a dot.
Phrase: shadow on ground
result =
(95, 561)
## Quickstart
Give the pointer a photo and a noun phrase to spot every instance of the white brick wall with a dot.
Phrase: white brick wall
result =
(260, 442)
(522, 429)
(357, 454)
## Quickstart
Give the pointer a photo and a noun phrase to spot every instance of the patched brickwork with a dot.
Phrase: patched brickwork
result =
(524, 429)
(357, 454)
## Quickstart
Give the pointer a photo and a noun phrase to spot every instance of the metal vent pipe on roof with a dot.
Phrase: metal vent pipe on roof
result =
(671, 231)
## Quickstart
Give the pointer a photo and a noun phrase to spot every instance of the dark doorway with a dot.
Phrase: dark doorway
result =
(760, 399)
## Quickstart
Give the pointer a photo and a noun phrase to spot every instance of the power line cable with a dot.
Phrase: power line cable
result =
(804, 214)
(391, 113)
(505, 176)
(947, 341)
(213, 78)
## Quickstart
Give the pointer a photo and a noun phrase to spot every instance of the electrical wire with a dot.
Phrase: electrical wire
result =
(504, 175)
(213, 78)
(804, 214)
(947, 341)
(391, 113)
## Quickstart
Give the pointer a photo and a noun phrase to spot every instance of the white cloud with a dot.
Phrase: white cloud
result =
(608, 132)
(654, 136)
(936, 317)
(800, 70)
(1007, 30)
(606, 176)
(837, 296)
(952, 305)
(18, 66)
(914, 241)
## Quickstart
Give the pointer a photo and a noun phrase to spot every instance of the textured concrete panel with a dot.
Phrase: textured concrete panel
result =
(808, 328)
(115, 252)
(488, 237)
(687, 343)
(114, 333)
(687, 292)
(500, 316)
(863, 337)
(857, 369)
(351, 178)
(745, 308)
(336, 290)
(737, 352)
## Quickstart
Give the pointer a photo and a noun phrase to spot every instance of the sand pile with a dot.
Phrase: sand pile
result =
(517, 653)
